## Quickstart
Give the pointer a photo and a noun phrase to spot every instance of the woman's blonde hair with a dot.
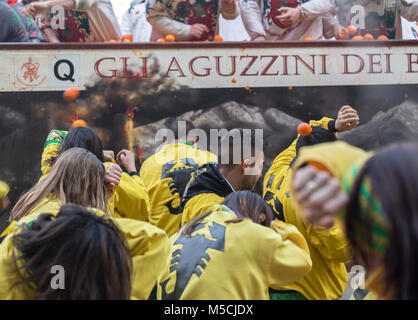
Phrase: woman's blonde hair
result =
(76, 177)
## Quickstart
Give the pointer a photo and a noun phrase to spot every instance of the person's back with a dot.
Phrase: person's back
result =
(166, 174)
(223, 255)
(11, 28)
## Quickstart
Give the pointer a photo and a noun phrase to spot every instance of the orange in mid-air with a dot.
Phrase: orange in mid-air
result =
(368, 36)
(79, 123)
(304, 129)
(71, 94)
(161, 40)
(352, 30)
(170, 38)
(218, 38)
(234, 80)
(357, 38)
(382, 37)
(307, 38)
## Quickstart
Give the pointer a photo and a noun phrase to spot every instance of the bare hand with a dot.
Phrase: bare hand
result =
(347, 119)
(34, 8)
(108, 155)
(340, 32)
(290, 17)
(126, 159)
(260, 38)
(113, 175)
(197, 30)
(319, 195)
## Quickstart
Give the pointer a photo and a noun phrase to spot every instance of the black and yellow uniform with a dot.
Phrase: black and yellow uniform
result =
(129, 199)
(207, 188)
(149, 247)
(166, 174)
(237, 261)
(329, 249)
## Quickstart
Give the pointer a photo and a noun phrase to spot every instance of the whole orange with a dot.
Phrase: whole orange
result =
(71, 94)
(304, 129)
(218, 38)
(170, 38)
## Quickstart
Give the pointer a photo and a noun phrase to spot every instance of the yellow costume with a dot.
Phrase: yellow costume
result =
(166, 174)
(148, 245)
(128, 200)
(222, 260)
(329, 249)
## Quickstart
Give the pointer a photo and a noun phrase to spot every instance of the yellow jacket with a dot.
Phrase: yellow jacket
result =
(329, 249)
(166, 174)
(128, 200)
(237, 261)
(149, 247)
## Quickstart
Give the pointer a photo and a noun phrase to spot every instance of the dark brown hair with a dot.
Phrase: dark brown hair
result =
(91, 249)
(394, 177)
(245, 204)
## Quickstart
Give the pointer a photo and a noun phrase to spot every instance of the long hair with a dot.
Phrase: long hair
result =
(245, 204)
(92, 251)
(393, 173)
(76, 177)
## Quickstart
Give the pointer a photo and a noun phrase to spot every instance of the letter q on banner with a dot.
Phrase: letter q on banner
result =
(64, 71)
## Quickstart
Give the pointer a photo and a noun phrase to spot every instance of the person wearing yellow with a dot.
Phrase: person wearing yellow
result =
(130, 196)
(375, 198)
(329, 249)
(233, 253)
(235, 171)
(166, 173)
(148, 244)
(4, 200)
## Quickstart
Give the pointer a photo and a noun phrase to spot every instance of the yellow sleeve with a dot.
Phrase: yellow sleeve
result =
(324, 122)
(331, 243)
(150, 248)
(4, 189)
(290, 259)
(8, 275)
(285, 157)
(131, 198)
(51, 148)
(198, 205)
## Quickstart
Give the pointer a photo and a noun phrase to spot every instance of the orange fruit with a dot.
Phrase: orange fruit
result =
(343, 35)
(307, 38)
(71, 94)
(234, 80)
(382, 37)
(127, 36)
(170, 38)
(78, 123)
(357, 38)
(161, 40)
(352, 30)
(218, 38)
(126, 40)
(304, 129)
(368, 36)
(112, 41)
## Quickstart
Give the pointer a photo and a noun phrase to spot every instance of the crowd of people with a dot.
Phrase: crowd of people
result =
(188, 224)
(199, 20)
